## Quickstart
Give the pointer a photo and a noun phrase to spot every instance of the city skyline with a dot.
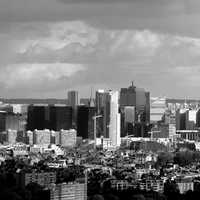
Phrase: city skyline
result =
(51, 46)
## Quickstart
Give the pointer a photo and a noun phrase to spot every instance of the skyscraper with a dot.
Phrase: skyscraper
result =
(85, 124)
(38, 117)
(157, 111)
(140, 99)
(73, 98)
(114, 126)
(73, 101)
(53, 117)
(60, 117)
(182, 119)
(103, 109)
(128, 96)
(3, 121)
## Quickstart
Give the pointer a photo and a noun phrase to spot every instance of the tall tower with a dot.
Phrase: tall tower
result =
(114, 126)
(73, 101)
(73, 98)
(102, 108)
(138, 99)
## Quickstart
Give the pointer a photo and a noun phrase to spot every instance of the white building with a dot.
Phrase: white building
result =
(30, 137)
(114, 126)
(68, 138)
(56, 135)
(157, 109)
(42, 136)
(12, 136)
(172, 130)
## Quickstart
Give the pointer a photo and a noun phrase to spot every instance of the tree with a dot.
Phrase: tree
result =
(138, 197)
(184, 158)
(170, 188)
(97, 197)
(164, 158)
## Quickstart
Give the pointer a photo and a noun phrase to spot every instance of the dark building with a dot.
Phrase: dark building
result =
(182, 120)
(38, 117)
(147, 107)
(73, 98)
(60, 117)
(85, 124)
(128, 96)
(127, 120)
(73, 101)
(140, 99)
(198, 118)
(2, 121)
(103, 109)
(53, 117)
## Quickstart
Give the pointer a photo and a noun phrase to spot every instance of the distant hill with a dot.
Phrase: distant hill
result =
(33, 101)
(64, 101)
(181, 101)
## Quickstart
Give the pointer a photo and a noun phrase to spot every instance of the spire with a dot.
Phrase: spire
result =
(132, 83)
(91, 101)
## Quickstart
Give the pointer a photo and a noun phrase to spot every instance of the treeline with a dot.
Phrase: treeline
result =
(182, 158)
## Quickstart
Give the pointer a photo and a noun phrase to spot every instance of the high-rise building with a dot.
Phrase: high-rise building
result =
(182, 119)
(128, 96)
(192, 119)
(38, 117)
(60, 117)
(73, 101)
(172, 130)
(12, 136)
(157, 110)
(3, 121)
(85, 124)
(53, 117)
(129, 119)
(12, 121)
(73, 98)
(114, 125)
(198, 118)
(15, 122)
(103, 109)
(140, 99)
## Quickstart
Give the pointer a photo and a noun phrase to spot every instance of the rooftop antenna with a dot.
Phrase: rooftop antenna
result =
(91, 94)
(132, 83)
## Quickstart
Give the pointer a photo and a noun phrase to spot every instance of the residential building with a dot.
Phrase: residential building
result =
(69, 191)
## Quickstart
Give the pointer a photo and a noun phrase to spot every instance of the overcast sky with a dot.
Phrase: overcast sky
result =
(50, 46)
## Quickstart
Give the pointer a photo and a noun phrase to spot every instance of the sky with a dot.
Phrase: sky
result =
(48, 47)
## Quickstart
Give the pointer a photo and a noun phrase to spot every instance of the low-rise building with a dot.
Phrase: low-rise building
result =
(185, 184)
(45, 179)
(69, 191)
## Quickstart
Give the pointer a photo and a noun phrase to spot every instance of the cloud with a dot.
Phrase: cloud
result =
(75, 54)
(35, 75)
(113, 1)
